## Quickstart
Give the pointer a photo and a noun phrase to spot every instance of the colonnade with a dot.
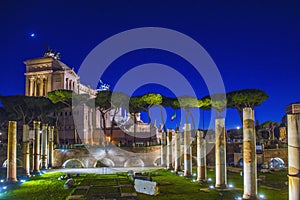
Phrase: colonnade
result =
(40, 156)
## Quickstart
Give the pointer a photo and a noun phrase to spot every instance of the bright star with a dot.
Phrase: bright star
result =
(32, 35)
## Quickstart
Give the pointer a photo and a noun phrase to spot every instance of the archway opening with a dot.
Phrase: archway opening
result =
(134, 162)
(105, 162)
(73, 163)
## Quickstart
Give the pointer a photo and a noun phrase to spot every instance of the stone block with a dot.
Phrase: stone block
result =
(145, 187)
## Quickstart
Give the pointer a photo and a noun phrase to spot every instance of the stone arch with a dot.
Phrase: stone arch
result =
(19, 163)
(276, 162)
(134, 162)
(157, 162)
(73, 163)
(104, 162)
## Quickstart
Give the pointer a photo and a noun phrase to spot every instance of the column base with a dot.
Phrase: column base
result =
(249, 197)
(11, 181)
(221, 186)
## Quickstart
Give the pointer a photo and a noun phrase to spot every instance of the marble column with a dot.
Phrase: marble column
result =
(41, 86)
(169, 149)
(36, 127)
(12, 152)
(249, 155)
(35, 87)
(220, 156)
(201, 156)
(26, 149)
(187, 150)
(177, 145)
(44, 146)
(31, 82)
(163, 149)
(50, 146)
(31, 150)
(294, 155)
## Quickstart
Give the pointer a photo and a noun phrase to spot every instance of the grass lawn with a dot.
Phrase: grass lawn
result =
(171, 186)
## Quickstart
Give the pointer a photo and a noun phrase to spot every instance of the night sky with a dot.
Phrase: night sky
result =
(254, 44)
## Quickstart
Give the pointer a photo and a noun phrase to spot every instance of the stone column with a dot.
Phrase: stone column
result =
(201, 156)
(30, 87)
(26, 148)
(187, 150)
(12, 152)
(31, 150)
(35, 87)
(44, 146)
(220, 150)
(41, 86)
(163, 149)
(169, 150)
(249, 155)
(177, 151)
(294, 155)
(50, 146)
(36, 127)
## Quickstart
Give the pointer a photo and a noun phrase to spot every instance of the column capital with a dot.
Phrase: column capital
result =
(36, 124)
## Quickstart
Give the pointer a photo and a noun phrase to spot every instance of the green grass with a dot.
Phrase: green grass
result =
(171, 186)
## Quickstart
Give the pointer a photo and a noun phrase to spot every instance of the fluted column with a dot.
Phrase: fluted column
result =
(177, 151)
(169, 149)
(50, 146)
(163, 149)
(36, 127)
(201, 156)
(44, 146)
(187, 150)
(249, 154)
(12, 152)
(31, 86)
(26, 148)
(294, 156)
(41, 88)
(35, 87)
(220, 149)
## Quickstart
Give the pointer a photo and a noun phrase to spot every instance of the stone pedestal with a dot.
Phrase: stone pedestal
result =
(249, 155)
(220, 149)
(294, 155)
(26, 149)
(12, 152)
(163, 149)
(50, 145)
(201, 156)
(36, 146)
(169, 150)
(177, 141)
(187, 151)
(44, 146)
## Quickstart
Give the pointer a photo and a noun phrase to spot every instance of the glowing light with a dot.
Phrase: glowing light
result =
(238, 127)
(230, 186)
(172, 171)
(238, 198)
(4, 187)
(209, 179)
(22, 181)
(194, 180)
(211, 187)
(32, 35)
(1, 180)
(261, 196)
(194, 174)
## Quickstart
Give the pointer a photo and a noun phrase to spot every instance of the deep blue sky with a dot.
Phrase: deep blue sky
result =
(254, 44)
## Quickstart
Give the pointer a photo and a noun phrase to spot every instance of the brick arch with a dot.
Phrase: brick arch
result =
(104, 162)
(134, 162)
(73, 163)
